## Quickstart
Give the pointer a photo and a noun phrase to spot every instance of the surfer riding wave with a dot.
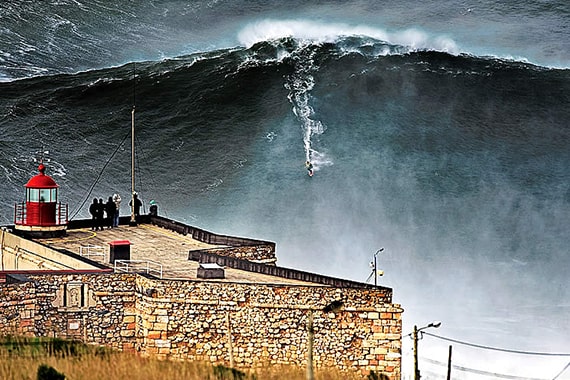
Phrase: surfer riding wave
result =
(309, 167)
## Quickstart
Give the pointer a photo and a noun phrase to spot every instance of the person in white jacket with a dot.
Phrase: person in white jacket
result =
(117, 200)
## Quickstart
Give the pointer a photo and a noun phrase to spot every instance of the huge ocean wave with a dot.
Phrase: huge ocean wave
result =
(70, 36)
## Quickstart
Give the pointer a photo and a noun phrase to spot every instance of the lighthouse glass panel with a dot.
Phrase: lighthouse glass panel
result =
(53, 197)
(45, 195)
(33, 195)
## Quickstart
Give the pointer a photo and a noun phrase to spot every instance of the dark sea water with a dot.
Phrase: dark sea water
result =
(439, 130)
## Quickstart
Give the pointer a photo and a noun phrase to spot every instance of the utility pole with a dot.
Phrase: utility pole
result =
(449, 364)
(434, 324)
(416, 369)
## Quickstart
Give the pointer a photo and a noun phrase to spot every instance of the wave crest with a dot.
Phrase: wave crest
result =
(318, 32)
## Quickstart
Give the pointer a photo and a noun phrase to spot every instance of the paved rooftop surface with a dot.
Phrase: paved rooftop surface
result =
(156, 248)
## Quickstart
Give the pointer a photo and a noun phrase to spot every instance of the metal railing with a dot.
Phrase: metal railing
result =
(137, 266)
(21, 215)
(92, 250)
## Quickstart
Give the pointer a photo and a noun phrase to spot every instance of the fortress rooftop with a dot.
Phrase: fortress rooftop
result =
(164, 249)
(164, 252)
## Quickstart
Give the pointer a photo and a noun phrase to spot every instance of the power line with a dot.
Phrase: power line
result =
(497, 349)
(481, 372)
(76, 211)
(561, 372)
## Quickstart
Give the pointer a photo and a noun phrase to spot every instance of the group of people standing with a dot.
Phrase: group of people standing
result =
(105, 214)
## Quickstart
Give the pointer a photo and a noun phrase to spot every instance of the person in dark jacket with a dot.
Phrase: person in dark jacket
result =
(153, 209)
(110, 209)
(100, 214)
(137, 205)
(93, 211)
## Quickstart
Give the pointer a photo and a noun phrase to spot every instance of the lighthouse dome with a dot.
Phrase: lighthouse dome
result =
(41, 181)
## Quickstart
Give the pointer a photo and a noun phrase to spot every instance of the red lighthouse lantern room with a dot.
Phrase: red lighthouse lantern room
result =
(41, 214)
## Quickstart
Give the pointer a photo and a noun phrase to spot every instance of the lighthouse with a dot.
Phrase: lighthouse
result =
(41, 214)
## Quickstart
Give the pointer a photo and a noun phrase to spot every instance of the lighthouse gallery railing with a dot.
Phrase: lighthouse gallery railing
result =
(20, 214)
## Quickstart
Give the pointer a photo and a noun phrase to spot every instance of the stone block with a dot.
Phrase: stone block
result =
(162, 319)
(377, 329)
(393, 355)
(159, 326)
(162, 343)
(127, 333)
(384, 336)
(153, 335)
(380, 350)
(129, 319)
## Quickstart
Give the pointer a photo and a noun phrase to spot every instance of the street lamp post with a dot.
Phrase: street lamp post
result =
(434, 324)
(374, 266)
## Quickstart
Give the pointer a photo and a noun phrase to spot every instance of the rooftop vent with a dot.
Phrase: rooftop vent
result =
(210, 271)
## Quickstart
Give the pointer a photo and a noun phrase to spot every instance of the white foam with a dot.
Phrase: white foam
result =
(318, 32)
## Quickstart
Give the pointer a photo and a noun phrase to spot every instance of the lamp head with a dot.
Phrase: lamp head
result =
(435, 324)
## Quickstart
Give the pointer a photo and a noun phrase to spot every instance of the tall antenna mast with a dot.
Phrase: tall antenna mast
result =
(133, 221)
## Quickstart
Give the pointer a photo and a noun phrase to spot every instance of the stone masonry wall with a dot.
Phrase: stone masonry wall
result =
(255, 253)
(18, 307)
(93, 308)
(196, 319)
